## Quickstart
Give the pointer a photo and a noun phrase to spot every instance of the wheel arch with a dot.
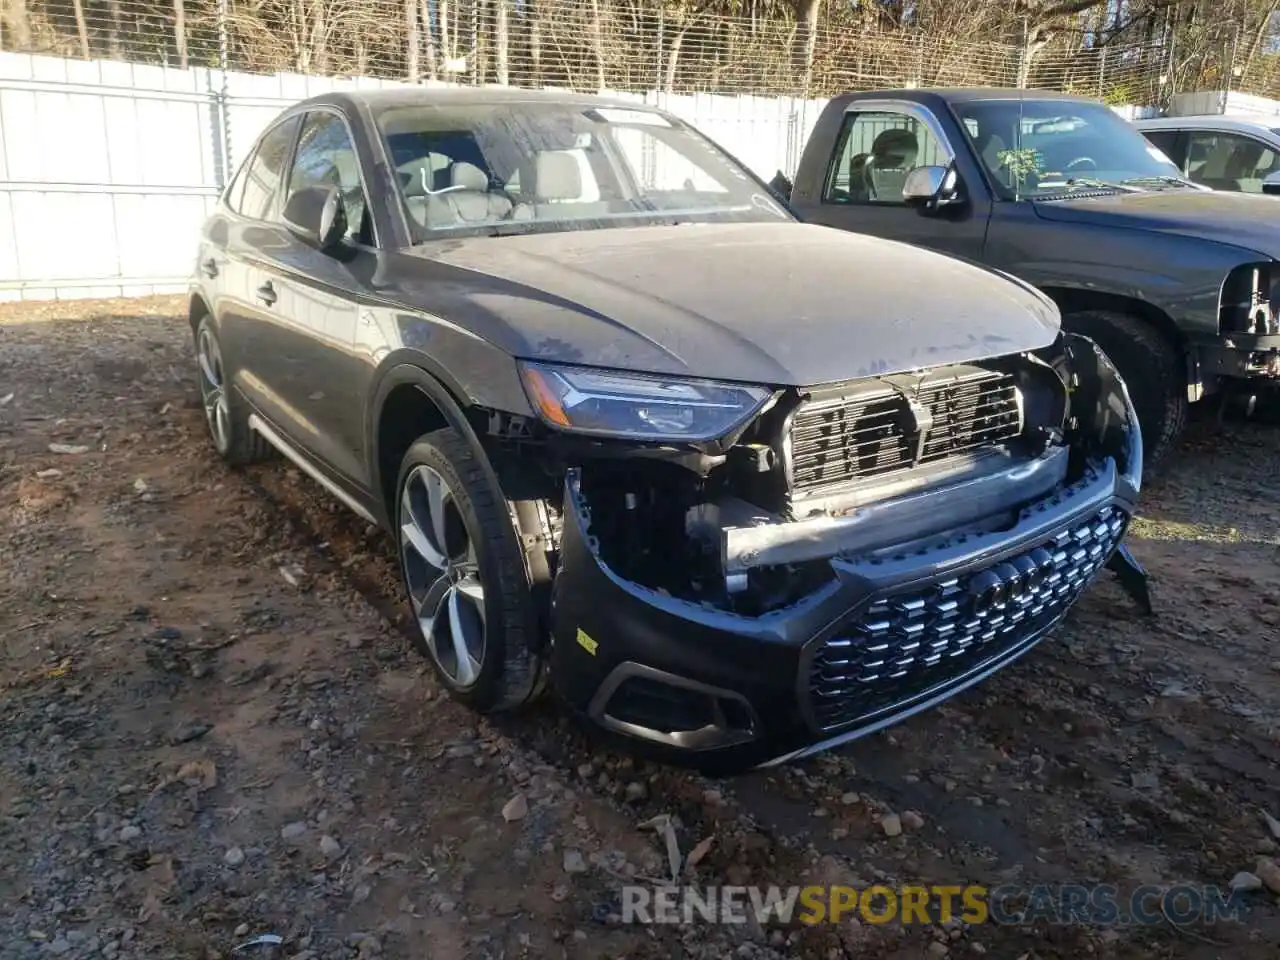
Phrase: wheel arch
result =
(197, 310)
(408, 401)
(1075, 299)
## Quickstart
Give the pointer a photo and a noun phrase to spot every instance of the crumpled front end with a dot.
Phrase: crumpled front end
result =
(863, 552)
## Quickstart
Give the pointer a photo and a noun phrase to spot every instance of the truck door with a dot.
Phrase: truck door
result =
(878, 144)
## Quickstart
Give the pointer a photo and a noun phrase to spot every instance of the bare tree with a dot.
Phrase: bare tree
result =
(180, 31)
(502, 40)
(597, 44)
(806, 41)
(413, 45)
(82, 29)
(16, 20)
(115, 28)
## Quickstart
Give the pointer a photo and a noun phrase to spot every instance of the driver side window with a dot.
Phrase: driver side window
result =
(326, 156)
(874, 153)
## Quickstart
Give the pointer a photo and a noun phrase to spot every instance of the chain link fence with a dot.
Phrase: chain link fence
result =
(674, 46)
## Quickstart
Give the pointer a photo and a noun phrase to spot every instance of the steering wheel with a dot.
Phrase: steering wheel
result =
(1093, 164)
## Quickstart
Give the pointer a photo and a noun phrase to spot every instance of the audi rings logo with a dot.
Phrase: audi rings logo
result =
(1013, 582)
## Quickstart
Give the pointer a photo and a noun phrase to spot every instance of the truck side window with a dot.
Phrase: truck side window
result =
(874, 153)
(1229, 161)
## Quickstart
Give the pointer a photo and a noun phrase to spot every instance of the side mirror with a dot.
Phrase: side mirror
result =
(928, 188)
(781, 187)
(1271, 184)
(317, 216)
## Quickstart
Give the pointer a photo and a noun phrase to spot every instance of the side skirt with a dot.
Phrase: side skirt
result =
(260, 427)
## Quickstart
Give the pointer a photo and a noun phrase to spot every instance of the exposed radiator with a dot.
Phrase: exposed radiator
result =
(876, 429)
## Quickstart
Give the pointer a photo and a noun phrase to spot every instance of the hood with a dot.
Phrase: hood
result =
(1236, 219)
(780, 304)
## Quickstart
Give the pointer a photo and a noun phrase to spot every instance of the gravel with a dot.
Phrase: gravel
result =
(335, 797)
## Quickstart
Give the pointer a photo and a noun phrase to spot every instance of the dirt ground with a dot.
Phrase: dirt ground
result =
(212, 726)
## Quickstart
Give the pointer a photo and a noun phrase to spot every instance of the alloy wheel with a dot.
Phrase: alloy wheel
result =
(212, 389)
(442, 574)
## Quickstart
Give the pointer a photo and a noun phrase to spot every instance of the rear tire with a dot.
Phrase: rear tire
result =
(224, 411)
(465, 575)
(1151, 368)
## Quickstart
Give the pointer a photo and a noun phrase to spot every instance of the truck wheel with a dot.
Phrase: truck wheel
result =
(1152, 370)
(465, 575)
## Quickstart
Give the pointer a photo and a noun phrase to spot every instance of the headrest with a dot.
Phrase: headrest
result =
(558, 176)
(895, 144)
(468, 176)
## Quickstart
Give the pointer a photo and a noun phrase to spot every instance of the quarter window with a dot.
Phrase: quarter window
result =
(874, 154)
(235, 191)
(1229, 161)
(262, 177)
(326, 156)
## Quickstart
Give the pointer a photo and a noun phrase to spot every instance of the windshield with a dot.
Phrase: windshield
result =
(529, 167)
(1041, 148)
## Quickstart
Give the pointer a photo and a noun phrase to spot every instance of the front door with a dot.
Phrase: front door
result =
(320, 296)
(877, 147)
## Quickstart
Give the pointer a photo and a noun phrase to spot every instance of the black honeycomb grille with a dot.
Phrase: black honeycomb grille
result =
(904, 644)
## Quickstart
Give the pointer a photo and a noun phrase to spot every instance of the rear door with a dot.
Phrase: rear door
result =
(250, 342)
(879, 143)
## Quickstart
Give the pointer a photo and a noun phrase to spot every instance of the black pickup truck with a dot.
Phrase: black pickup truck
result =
(1177, 283)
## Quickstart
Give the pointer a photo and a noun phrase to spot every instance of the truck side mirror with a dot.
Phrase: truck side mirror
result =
(1271, 184)
(929, 188)
(780, 186)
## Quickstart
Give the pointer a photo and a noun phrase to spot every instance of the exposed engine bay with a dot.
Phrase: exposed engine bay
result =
(878, 467)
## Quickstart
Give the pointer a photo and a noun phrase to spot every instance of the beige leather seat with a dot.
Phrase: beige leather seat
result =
(555, 177)
(466, 200)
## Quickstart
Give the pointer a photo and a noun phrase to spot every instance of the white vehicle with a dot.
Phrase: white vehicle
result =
(1239, 154)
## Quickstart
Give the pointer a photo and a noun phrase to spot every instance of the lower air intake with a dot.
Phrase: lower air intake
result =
(903, 645)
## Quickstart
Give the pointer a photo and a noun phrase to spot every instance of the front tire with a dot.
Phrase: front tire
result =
(465, 575)
(224, 414)
(1151, 368)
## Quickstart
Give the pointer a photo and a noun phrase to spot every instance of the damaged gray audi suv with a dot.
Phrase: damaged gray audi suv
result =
(735, 487)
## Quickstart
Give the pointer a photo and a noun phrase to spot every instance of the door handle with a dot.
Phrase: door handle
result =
(210, 268)
(267, 293)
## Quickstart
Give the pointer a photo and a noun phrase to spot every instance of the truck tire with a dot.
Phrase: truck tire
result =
(1152, 369)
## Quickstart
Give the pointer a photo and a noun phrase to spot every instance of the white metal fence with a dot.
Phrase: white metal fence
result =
(108, 168)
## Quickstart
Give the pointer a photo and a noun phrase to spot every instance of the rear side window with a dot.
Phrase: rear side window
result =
(262, 174)
(235, 190)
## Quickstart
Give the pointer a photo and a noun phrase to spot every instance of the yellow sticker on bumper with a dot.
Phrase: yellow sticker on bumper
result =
(586, 642)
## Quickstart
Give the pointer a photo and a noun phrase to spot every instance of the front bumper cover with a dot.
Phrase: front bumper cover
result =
(888, 637)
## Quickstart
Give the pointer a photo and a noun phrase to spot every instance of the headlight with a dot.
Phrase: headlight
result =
(614, 404)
